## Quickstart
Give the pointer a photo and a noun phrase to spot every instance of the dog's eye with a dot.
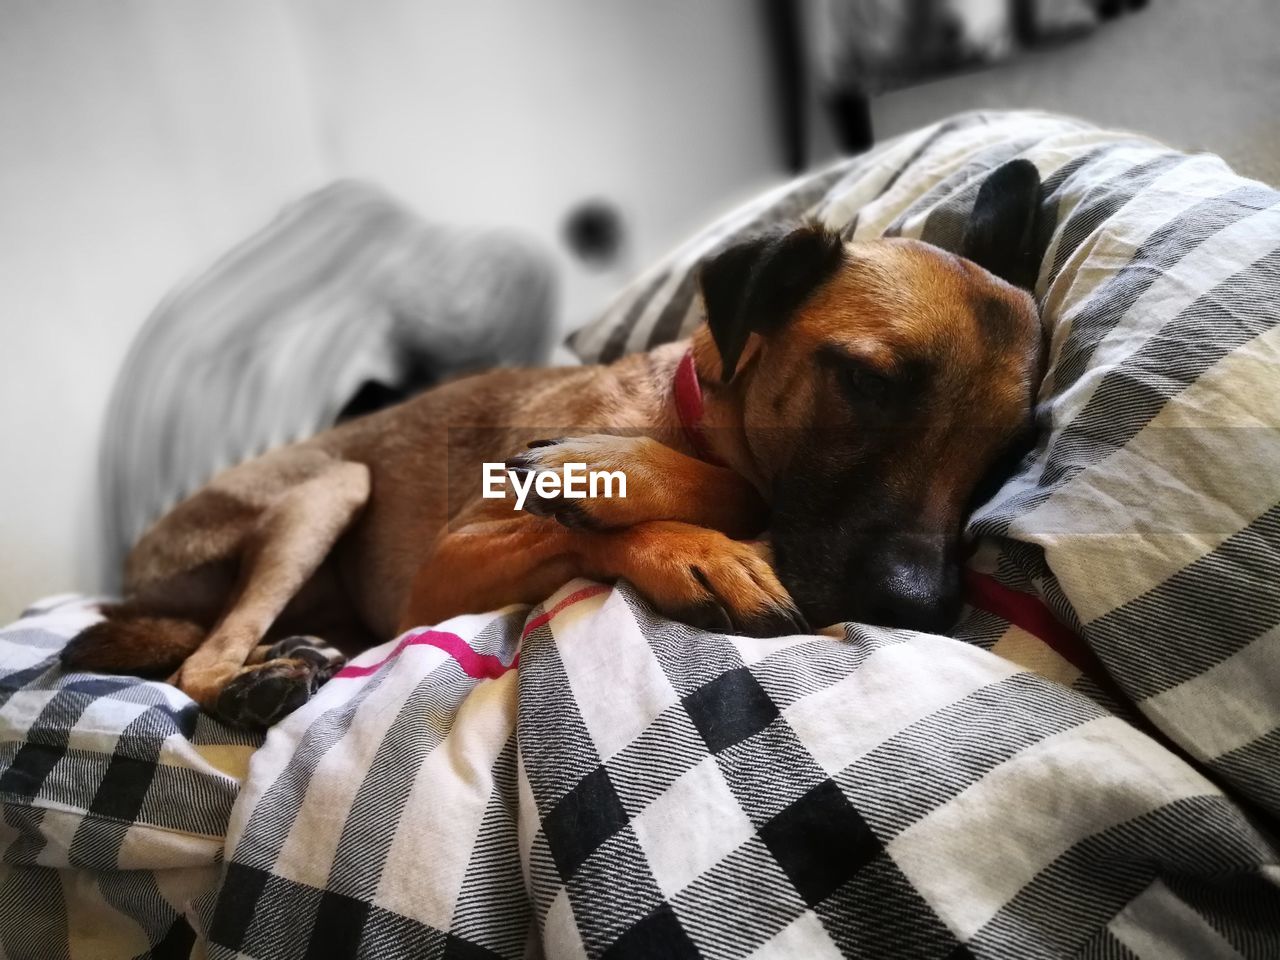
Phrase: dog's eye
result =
(864, 385)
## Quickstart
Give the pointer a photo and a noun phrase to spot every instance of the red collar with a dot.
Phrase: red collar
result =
(688, 393)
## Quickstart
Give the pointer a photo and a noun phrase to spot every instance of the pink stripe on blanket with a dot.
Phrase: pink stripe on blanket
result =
(481, 666)
(577, 596)
(1029, 612)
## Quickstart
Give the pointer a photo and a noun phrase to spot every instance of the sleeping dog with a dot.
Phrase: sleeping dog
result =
(849, 398)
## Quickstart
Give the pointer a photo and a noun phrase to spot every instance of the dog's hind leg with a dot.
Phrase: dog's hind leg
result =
(291, 540)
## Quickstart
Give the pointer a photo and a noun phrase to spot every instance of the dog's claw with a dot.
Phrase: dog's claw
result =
(520, 464)
(775, 618)
(571, 515)
(776, 621)
(798, 620)
(323, 659)
(709, 616)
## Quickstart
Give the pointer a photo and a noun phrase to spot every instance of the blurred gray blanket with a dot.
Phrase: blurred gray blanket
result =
(344, 291)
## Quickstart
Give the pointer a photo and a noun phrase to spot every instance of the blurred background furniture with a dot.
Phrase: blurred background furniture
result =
(854, 50)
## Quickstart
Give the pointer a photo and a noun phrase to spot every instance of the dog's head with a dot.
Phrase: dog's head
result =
(883, 386)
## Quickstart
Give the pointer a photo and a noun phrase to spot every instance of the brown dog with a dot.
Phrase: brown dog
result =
(849, 397)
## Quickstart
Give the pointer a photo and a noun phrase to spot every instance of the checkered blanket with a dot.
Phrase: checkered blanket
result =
(115, 795)
(637, 788)
(1089, 767)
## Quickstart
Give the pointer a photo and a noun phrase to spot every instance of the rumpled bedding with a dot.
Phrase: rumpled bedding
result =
(588, 779)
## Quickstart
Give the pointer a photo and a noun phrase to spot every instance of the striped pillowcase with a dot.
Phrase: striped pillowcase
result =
(1136, 553)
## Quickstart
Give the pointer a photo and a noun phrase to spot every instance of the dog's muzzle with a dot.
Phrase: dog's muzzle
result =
(885, 578)
(913, 581)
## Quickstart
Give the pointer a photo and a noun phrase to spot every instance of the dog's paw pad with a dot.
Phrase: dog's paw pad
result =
(264, 694)
(567, 513)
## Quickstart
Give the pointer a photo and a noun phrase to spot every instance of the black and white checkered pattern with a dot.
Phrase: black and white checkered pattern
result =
(896, 794)
(638, 788)
(116, 794)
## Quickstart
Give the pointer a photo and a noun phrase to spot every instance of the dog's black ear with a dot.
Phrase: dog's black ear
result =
(754, 286)
(1001, 234)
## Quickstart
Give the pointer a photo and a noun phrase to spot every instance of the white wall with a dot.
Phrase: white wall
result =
(140, 138)
(502, 111)
(136, 141)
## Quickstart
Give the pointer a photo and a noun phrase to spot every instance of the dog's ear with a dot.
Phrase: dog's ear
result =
(1001, 234)
(756, 285)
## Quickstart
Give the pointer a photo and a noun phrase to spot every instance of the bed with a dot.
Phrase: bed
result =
(1088, 766)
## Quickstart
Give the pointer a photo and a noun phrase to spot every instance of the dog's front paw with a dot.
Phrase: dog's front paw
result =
(741, 594)
(703, 578)
(591, 479)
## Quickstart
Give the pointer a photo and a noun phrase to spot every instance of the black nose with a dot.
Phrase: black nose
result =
(918, 590)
